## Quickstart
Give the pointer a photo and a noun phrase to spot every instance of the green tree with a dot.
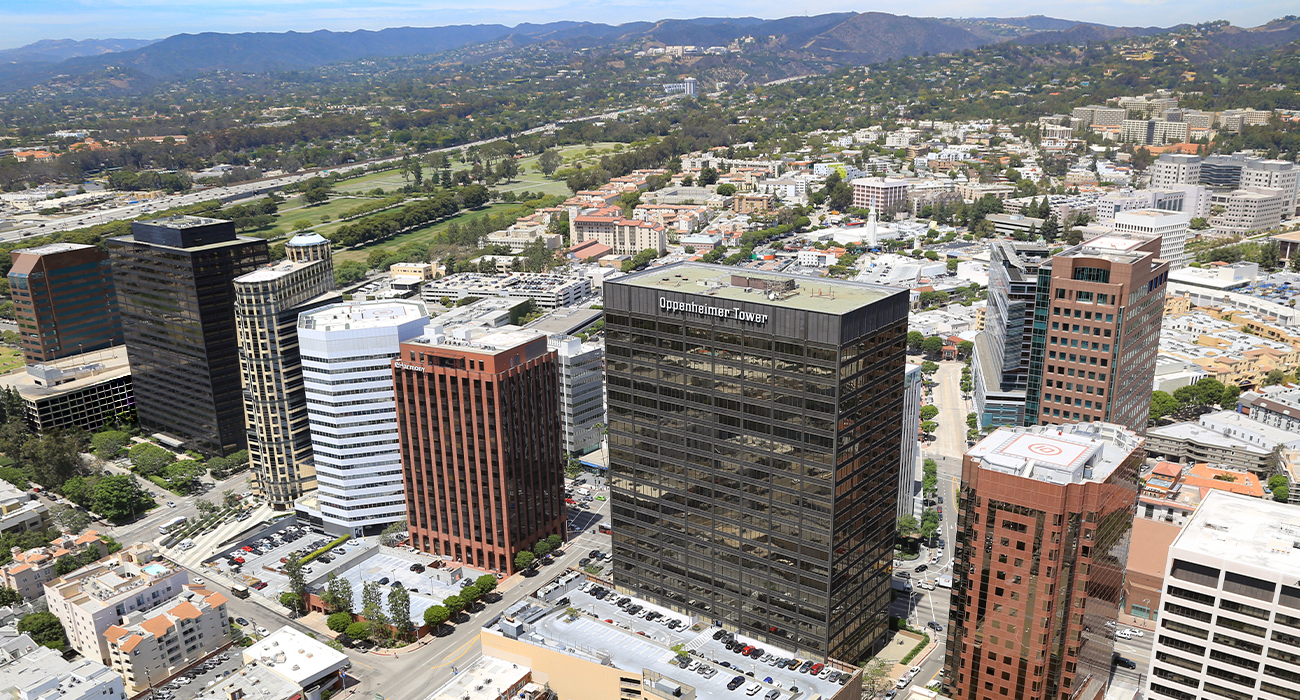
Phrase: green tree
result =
(929, 411)
(1274, 377)
(109, 444)
(1275, 481)
(358, 630)
(929, 427)
(68, 519)
(291, 600)
(928, 367)
(554, 540)
(486, 583)
(338, 593)
(1162, 404)
(541, 549)
(470, 594)
(293, 570)
(399, 609)
(875, 677)
(372, 608)
(908, 527)
(1281, 493)
(454, 604)
(149, 459)
(118, 497)
(435, 615)
(392, 532)
(914, 340)
(523, 560)
(44, 629)
(1230, 395)
(932, 346)
(474, 196)
(930, 522)
(9, 596)
(549, 162)
(339, 622)
(726, 189)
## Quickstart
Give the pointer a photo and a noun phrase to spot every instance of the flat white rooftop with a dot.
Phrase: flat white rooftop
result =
(1254, 531)
(361, 315)
(1114, 243)
(1057, 454)
(274, 272)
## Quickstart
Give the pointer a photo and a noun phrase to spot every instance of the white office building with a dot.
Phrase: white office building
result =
(29, 671)
(347, 352)
(909, 463)
(1171, 226)
(1278, 174)
(582, 392)
(1175, 169)
(1230, 612)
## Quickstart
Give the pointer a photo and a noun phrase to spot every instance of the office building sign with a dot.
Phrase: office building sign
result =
(735, 312)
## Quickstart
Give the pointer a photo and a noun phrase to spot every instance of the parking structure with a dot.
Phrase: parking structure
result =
(200, 677)
(705, 644)
(390, 570)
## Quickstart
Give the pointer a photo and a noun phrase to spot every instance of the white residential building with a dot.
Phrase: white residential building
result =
(879, 194)
(93, 598)
(347, 354)
(1170, 226)
(33, 672)
(1230, 618)
(30, 570)
(909, 463)
(547, 291)
(149, 647)
(582, 392)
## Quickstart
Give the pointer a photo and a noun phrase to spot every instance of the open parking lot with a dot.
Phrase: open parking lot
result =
(263, 562)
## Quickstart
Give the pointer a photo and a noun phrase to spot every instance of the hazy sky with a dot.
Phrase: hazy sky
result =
(26, 21)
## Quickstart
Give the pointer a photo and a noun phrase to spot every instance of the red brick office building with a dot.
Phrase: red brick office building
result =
(479, 421)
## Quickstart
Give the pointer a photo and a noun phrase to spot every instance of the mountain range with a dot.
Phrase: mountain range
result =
(845, 38)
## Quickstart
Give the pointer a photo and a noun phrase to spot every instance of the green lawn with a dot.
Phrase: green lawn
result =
(421, 234)
(10, 360)
(389, 180)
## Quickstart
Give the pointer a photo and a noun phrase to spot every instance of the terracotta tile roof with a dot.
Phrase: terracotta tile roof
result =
(1168, 469)
(1202, 476)
(130, 644)
(185, 611)
(19, 569)
(157, 626)
(114, 633)
(88, 536)
(216, 599)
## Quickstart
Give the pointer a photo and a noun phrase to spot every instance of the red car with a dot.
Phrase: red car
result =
(284, 560)
(259, 585)
(816, 669)
(238, 560)
(246, 548)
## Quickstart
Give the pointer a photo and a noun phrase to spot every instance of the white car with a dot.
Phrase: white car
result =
(198, 581)
(262, 630)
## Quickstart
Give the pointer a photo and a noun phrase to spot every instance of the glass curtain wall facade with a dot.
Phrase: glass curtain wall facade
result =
(175, 289)
(1040, 563)
(755, 436)
(64, 301)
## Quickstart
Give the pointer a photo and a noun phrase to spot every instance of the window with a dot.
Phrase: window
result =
(1195, 573)
(1248, 586)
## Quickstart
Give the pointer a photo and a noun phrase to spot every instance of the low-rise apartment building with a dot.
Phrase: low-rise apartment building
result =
(34, 672)
(547, 291)
(625, 236)
(1223, 439)
(29, 571)
(146, 648)
(19, 511)
(93, 598)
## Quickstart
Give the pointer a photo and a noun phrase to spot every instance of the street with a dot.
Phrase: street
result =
(922, 607)
(415, 673)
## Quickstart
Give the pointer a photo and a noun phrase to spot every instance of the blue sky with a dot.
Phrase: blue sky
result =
(25, 21)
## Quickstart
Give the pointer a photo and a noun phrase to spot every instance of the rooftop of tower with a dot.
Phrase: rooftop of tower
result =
(775, 289)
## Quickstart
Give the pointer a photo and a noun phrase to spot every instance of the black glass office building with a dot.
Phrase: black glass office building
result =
(175, 289)
(754, 432)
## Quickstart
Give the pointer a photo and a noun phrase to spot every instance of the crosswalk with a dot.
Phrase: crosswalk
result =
(206, 545)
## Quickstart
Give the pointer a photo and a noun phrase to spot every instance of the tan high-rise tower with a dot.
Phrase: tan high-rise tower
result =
(267, 304)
